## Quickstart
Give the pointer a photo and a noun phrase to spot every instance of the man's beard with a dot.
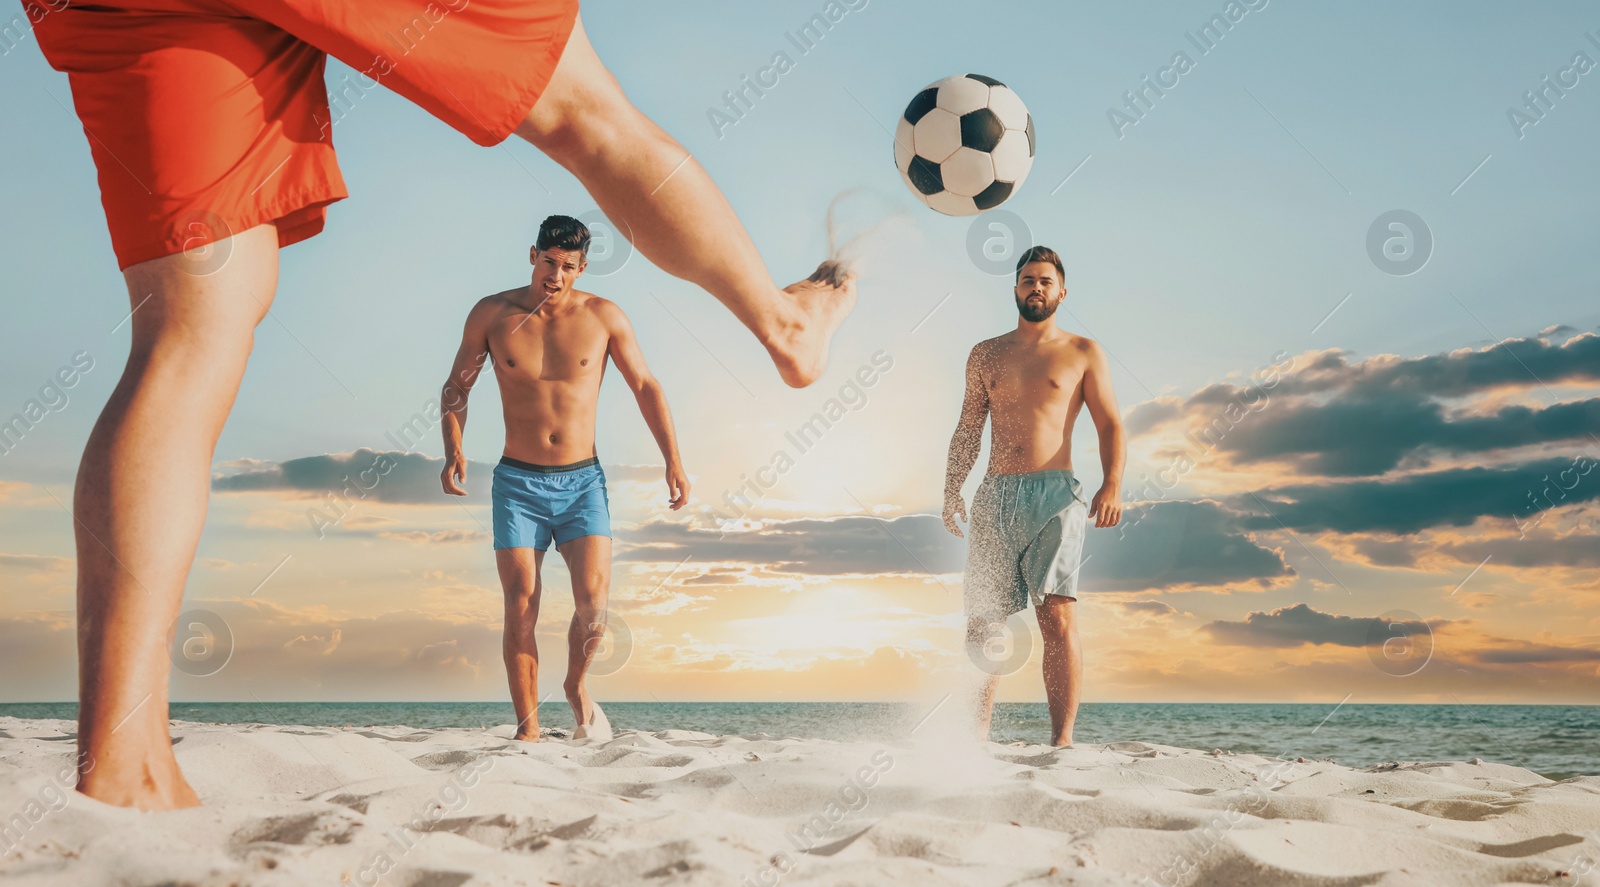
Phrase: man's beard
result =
(1034, 315)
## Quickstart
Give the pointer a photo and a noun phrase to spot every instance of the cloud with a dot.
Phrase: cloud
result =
(383, 476)
(1414, 502)
(636, 473)
(37, 562)
(854, 544)
(1300, 624)
(1163, 545)
(1155, 607)
(440, 537)
(1331, 416)
(1526, 362)
(1374, 435)
(1523, 652)
(713, 579)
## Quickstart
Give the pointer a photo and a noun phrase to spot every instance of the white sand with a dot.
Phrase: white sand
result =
(303, 805)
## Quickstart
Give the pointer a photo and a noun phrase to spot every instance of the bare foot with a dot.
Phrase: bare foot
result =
(148, 779)
(597, 727)
(528, 737)
(818, 304)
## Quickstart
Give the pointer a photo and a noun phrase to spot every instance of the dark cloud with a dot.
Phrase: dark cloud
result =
(1375, 435)
(1388, 552)
(1160, 545)
(1156, 607)
(406, 478)
(1169, 544)
(1330, 416)
(1579, 549)
(410, 478)
(1300, 624)
(1415, 502)
(1526, 362)
(1147, 415)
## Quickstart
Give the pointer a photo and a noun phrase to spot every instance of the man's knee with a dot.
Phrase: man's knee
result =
(1057, 615)
(522, 591)
(582, 108)
(590, 617)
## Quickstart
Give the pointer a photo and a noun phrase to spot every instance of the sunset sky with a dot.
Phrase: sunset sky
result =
(1316, 442)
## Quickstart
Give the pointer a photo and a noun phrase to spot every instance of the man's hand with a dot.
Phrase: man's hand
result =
(953, 505)
(1107, 506)
(677, 487)
(454, 474)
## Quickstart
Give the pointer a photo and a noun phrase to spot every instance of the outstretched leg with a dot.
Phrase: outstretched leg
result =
(589, 562)
(519, 579)
(1063, 664)
(667, 205)
(140, 503)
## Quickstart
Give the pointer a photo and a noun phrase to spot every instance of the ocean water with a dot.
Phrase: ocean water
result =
(1556, 741)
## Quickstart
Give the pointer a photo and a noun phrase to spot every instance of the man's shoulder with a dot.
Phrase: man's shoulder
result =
(1076, 344)
(494, 302)
(604, 309)
(989, 344)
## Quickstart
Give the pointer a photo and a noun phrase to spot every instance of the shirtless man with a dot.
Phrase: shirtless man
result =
(549, 344)
(211, 127)
(1029, 514)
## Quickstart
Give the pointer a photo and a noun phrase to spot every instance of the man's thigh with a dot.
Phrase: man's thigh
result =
(589, 561)
(519, 570)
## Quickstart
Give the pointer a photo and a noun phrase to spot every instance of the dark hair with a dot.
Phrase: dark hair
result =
(563, 232)
(1041, 254)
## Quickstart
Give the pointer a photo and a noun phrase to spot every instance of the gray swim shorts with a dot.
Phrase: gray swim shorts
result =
(1026, 541)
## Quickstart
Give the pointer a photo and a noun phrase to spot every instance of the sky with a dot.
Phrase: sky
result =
(1352, 475)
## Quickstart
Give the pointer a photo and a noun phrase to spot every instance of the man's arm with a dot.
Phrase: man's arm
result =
(967, 440)
(1106, 508)
(624, 352)
(470, 358)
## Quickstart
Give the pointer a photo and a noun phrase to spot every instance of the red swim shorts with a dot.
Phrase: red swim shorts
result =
(209, 117)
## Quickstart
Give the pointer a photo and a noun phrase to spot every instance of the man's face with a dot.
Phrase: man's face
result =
(555, 270)
(1039, 291)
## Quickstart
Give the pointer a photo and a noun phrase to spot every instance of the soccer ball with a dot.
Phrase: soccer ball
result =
(964, 144)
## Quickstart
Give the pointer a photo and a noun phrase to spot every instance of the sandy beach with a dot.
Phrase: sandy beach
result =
(439, 808)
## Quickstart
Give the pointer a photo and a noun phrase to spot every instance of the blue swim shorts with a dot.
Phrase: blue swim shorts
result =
(1026, 541)
(534, 504)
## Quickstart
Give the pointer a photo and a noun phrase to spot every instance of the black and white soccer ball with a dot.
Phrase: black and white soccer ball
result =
(964, 144)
